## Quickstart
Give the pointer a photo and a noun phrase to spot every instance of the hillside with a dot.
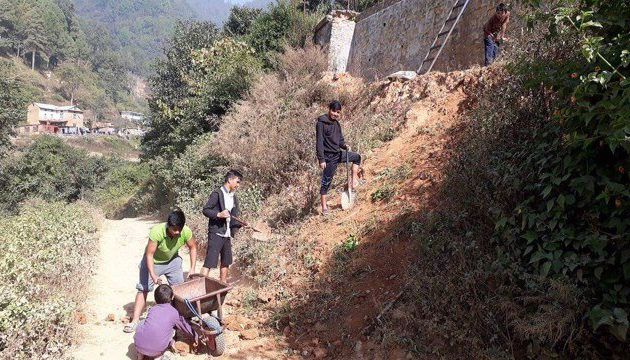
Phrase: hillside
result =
(139, 29)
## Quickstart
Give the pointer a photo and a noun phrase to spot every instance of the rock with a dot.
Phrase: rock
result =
(249, 334)
(315, 341)
(182, 347)
(110, 317)
(238, 323)
(320, 353)
(402, 76)
(80, 318)
(286, 331)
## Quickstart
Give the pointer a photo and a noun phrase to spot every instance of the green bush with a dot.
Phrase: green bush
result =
(49, 169)
(119, 194)
(574, 218)
(47, 252)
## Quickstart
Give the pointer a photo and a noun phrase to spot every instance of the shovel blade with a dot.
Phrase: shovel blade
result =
(347, 200)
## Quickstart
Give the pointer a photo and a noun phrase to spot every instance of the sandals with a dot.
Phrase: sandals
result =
(131, 327)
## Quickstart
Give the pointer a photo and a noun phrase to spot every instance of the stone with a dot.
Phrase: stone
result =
(238, 323)
(110, 317)
(80, 318)
(286, 331)
(182, 347)
(320, 353)
(402, 76)
(249, 334)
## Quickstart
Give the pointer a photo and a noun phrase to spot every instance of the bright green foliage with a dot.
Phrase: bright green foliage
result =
(197, 83)
(282, 25)
(49, 169)
(221, 75)
(575, 217)
(45, 263)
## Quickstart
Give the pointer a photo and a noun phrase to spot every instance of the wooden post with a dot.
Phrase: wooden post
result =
(33, 61)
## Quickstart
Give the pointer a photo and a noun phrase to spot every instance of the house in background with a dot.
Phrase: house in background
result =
(60, 116)
(132, 116)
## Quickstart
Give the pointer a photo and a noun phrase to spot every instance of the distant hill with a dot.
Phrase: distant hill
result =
(217, 11)
(140, 27)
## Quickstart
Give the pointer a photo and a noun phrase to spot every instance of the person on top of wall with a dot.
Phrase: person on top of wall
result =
(494, 33)
(331, 149)
(221, 206)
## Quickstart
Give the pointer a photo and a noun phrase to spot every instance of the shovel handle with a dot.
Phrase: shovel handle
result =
(239, 220)
(246, 224)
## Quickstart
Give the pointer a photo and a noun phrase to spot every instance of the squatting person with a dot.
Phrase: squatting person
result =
(161, 257)
(331, 149)
(155, 333)
(219, 209)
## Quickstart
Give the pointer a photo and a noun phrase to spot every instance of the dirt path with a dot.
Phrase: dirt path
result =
(112, 292)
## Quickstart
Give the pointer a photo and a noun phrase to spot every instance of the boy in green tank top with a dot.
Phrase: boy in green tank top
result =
(161, 258)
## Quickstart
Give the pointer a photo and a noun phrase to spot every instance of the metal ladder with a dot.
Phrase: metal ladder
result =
(451, 20)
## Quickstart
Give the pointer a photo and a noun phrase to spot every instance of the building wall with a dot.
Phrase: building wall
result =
(73, 118)
(396, 36)
(32, 115)
(334, 33)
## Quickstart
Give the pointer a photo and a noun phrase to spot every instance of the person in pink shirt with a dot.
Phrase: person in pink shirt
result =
(155, 334)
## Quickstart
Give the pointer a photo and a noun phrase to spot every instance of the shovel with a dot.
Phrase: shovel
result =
(262, 231)
(347, 197)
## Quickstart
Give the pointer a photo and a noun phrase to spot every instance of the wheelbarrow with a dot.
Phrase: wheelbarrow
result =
(198, 297)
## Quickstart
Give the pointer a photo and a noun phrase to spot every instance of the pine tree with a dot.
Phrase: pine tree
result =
(35, 37)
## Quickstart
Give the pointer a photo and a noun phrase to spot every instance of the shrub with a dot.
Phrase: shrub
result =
(49, 169)
(118, 195)
(46, 251)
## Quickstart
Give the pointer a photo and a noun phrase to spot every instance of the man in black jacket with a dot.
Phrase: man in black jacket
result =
(219, 209)
(331, 149)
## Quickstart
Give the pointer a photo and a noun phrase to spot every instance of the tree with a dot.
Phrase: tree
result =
(13, 101)
(35, 39)
(194, 86)
(284, 24)
(73, 76)
(240, 21)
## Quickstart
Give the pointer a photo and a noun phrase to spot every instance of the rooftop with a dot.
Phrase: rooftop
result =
(58, 108)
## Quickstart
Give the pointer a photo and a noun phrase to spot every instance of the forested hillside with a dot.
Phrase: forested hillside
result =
(140, 27)
(70, 61)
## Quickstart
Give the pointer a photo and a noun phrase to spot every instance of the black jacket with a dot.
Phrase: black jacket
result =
(216, 204)
(329, 138)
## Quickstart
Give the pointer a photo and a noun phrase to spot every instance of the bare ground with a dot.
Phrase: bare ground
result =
(112, 291)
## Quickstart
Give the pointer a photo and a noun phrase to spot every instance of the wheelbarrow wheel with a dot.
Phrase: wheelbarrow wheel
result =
(219, 340)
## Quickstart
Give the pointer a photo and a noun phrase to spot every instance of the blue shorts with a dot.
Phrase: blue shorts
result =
(172, 270)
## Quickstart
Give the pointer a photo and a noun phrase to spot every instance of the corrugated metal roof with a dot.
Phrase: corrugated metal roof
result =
(58, 108)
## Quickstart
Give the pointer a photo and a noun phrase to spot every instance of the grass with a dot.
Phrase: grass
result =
(383, 193)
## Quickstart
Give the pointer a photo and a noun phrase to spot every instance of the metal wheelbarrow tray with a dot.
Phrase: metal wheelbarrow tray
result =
(205, 293)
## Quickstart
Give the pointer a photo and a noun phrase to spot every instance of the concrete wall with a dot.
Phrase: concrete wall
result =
(397, 34)
(335, 33)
